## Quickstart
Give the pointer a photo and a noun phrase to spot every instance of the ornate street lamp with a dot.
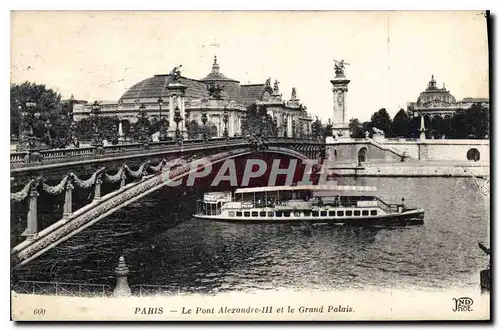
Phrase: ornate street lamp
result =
(29, 117)
(160, 103)
(143, 118)
(204, 121)
(72, 133)
(96, 111)
(177, 120)
(225, 119)
(47, 126)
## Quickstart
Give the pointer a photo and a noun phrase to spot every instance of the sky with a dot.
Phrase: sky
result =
(98, 55)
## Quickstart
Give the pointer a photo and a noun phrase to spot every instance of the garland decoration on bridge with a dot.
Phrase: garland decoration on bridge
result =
(89, 182)
(159, 166)
(56, 189)
(21, 195)
(116, 177)
(139, 172)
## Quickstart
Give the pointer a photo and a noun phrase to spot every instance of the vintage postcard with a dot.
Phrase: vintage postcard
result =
(245, 166)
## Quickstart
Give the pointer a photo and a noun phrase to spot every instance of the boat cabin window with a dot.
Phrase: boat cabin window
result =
(255, 214)
(331, 213)
(349, 213)
(286, 213)
(365, 213)
(315, 213)
(340, 213)
(231, 214)
(262, 214)
(238, 214)
(357, 213)
(324, 213)
(247, 214)
(373, 212)
(279, 213)
(270, 214)
(307, 213)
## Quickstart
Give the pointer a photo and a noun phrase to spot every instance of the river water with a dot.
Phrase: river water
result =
(164, 245)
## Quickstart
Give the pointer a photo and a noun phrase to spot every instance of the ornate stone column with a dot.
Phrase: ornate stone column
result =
(340, 82)
(175, 90)
(32, 219)
(68, 200)
(422, 127)
(97, 188)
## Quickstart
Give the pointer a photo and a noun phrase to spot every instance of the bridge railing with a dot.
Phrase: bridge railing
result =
(24, 159)
(61, 288)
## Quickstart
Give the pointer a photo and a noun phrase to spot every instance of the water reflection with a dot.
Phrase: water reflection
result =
(164, 245)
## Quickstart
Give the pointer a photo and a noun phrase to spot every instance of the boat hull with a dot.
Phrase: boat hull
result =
(408, 217)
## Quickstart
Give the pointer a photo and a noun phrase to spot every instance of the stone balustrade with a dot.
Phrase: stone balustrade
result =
(51, 156)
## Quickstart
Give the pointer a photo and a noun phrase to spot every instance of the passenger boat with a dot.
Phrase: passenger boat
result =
(353, 205)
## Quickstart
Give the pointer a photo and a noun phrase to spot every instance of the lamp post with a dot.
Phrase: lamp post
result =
(96, 110)
(204, 121)
(177, 120)
(225, 119)
(160, 103)
(30, 116)
(160, 122)
(72, 134)
(143, 117)
(47, 126)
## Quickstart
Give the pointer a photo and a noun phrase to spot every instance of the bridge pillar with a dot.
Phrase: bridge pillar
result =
(121, 271)
(32, 219)
(68, 200)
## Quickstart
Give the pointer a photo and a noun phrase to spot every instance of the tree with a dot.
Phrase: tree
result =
(381, 120)
(258, 122)
(401, 124)
(328, 129)
(471, 123)
(47, 105)
(194, 130)
(479, 121)
(317, 129)
(356, 128)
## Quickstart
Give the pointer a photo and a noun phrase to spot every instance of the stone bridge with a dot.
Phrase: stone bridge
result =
(114, 164)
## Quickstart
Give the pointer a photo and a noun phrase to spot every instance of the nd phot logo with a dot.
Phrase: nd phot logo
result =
(463, 304)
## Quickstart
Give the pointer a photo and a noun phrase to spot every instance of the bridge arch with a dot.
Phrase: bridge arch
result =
(99, 209)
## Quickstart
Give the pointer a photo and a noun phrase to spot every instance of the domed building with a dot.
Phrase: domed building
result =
(215, 102)
(435, 101)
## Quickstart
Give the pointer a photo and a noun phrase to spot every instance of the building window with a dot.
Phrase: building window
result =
(473, 154)
(362, 155)
(357, 213)
(373, 212)
(365, 213)
(331, 213)
(348, 213)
